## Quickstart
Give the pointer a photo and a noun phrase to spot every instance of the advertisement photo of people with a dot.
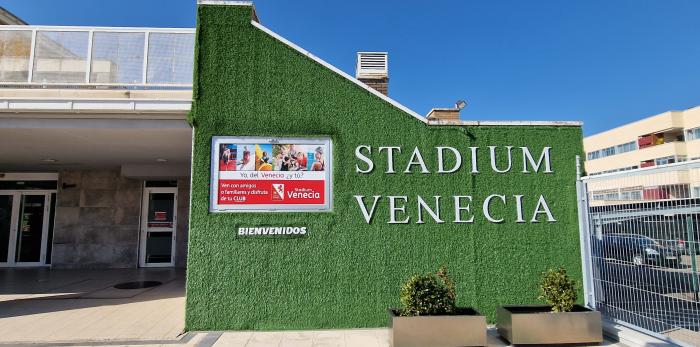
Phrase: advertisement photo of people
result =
(269, 157)
(244, 161)
(298, 157)
(263, 158)
(227, 157)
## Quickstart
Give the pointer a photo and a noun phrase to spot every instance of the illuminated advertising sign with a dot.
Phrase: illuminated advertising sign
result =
(270, 174)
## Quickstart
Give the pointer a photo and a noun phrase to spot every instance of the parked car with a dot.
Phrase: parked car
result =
(677, 245)
(639, 250)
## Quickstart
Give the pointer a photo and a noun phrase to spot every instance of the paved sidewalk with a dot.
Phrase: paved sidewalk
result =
(327, 338)
(306, 338)
(51, 307)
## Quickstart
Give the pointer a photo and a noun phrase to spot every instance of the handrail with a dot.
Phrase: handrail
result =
(657, 169)
(87, 57)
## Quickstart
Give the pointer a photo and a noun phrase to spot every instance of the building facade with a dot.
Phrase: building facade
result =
(94, 146)
(405, 193)
(666, 138)
(297, 196)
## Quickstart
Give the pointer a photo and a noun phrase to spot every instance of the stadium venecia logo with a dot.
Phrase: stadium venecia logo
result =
(277, 191)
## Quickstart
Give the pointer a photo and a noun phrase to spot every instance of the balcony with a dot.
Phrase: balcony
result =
(660, 138)
(96, 58)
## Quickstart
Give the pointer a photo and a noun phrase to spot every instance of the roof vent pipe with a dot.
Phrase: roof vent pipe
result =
(373, 70)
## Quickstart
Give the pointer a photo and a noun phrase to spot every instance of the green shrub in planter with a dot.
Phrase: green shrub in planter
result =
(429, 316)
(558, 290)
(428, 294)
(559, 322)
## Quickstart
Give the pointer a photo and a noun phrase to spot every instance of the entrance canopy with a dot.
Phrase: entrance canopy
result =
(55, 138)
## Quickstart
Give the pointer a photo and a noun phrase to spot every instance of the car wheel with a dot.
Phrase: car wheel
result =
(638, 260)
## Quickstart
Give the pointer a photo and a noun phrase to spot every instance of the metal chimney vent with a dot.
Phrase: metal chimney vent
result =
(372, 65)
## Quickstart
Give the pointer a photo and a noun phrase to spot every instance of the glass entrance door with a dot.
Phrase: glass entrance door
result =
(23, 228)
(158, 226)
(6, 226)
(30, 231)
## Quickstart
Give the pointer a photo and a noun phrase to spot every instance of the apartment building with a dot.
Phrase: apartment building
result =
(666, 138)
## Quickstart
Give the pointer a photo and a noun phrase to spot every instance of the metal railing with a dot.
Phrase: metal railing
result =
(640, 233)
(45, 56)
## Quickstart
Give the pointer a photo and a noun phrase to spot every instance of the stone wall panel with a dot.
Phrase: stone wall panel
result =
(98, 215)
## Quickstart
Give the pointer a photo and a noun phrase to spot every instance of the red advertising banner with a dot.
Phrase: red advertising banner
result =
(281, 174)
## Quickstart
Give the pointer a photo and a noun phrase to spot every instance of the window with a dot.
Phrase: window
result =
(619, 149)
(606, 195)
(628, 194)
(608, 151)
(626, 147)
(671, 159)
(612, 196)
(631, 195)
(692, 134)
(615, 170)
(665, 160)
(696, 192)
(593, 155)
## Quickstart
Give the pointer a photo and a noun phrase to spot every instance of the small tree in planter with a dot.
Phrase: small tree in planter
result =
(561, 321)
(558, 290)
(429, 315)
(428, 294)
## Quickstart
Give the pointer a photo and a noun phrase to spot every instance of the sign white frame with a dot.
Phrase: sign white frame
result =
(214, 175)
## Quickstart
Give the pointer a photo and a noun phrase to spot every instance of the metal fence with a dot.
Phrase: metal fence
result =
(641, 251)
(32, 56)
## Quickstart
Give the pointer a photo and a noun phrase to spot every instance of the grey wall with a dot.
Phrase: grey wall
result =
(97, 221)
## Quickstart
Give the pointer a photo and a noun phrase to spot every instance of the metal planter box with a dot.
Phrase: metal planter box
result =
(465, 328)
(536, 324)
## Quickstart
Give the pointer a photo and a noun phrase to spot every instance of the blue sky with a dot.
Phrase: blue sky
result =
(604, 62)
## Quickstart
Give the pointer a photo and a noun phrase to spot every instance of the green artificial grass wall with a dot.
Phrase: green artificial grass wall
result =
(345, 272)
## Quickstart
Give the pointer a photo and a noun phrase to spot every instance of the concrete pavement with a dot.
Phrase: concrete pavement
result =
(82, 306)
(307, 338)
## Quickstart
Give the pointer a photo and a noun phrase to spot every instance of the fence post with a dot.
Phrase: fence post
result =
(144, 71)
(88, 60)
(584, 237)
(692, 251)
(32, 53)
